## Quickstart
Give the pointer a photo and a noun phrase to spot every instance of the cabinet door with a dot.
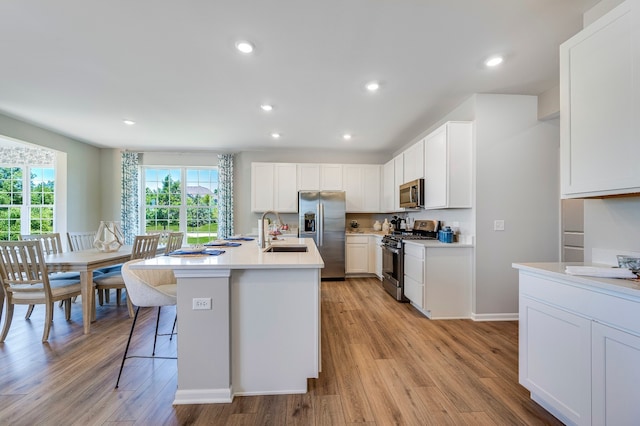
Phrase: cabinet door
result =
(413, 162)
(331, 177)
(353, 181)
(371, 188)
(413, 290)
(308, 177)
(398, 166)
(435, 157)
(388, 187)
(262, 189)
(600, 106)
(448, 158)
(286, 188)
(555, 359)
(377, 247)
(357, 258)
(616, 376)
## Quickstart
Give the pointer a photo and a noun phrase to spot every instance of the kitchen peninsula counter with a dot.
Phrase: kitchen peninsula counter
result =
(261, 335)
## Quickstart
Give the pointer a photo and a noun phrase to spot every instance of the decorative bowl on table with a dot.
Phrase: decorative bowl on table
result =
(629, 262)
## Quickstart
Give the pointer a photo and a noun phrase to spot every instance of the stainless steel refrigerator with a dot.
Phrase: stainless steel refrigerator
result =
(321, 216)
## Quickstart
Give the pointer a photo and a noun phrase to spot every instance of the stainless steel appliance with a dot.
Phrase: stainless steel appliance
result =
(322, 217)
(393, 255)
(412, 194)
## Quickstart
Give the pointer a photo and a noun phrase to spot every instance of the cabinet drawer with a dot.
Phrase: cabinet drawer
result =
(414, 291)
(414, 250)
(413, 268)
(357, 239)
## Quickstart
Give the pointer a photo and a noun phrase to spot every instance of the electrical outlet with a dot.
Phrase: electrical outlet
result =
(498, 225)
(201, 303)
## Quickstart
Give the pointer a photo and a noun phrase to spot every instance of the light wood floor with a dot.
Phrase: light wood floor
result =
(383, 364)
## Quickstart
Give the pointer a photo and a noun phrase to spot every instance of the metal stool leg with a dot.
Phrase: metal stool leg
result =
(155, 337)
(126, 350)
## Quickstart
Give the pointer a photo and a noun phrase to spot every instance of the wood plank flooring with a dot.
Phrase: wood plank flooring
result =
(383, 364)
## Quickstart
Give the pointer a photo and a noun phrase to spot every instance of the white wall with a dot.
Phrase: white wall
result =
(83, 170)
(612, 224)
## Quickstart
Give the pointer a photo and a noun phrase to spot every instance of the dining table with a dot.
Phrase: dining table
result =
(85, 262)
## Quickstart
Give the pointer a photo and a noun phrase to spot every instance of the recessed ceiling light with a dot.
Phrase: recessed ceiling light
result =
(373, 86)
(494, 61)
(129, 122)
(244, 46)
(347, 136)
(275, 135)
(266, 107)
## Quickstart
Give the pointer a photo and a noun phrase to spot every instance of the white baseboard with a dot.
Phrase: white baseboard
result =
(495, 317)
(203, 396)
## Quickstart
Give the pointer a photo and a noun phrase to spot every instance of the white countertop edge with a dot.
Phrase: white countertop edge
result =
(557, 270)
(436, 244)
(247, 256)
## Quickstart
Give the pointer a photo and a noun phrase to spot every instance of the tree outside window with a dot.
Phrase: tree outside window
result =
(182, 199)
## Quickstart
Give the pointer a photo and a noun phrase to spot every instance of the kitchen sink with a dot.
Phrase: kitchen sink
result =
(286, 248)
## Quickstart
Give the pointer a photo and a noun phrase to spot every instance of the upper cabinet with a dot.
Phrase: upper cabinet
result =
(600, 106)
(362, 185)
(447, 171)
(398, 165)
(274, 187)
(388, 187)
(315, 177)
(413, 162)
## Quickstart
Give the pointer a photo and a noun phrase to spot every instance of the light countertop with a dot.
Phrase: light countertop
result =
(436, 244)
(629, 287)
(246, 256)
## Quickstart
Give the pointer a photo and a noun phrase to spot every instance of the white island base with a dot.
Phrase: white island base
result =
(262, 333)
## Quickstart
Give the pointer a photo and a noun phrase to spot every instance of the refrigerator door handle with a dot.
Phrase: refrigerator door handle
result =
(320, 224)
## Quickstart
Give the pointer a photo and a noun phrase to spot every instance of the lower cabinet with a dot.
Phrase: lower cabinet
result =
(579, 351)
(375, 255)
(357, 254)
(437, 280)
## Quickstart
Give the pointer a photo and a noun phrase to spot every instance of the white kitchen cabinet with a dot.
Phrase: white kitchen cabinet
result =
(308, 177)
(316, 177)
(600, 106)
(579, 345)
(554, 359)
(375, 255)
(357, 254)
(388, 187)
(361, 183)
(273, 187)
(331, 177)
(414, 274)
(447, 159)
(414, 162)
(398, 166)
(615, 375)
(447, 282)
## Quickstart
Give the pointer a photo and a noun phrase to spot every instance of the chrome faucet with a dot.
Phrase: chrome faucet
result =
(262, 235)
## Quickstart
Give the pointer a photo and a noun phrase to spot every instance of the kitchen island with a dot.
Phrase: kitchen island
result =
(579, 343)
(259, 331)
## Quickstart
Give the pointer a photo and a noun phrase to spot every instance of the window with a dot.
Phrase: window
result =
(26, 192)
(181, 199)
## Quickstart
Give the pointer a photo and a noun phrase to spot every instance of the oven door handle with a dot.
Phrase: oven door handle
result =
(391, 249)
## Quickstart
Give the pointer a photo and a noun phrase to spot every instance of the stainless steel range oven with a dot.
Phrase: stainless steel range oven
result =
(393, 255)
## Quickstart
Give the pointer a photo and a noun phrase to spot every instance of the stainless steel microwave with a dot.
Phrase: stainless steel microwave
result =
(412, 194)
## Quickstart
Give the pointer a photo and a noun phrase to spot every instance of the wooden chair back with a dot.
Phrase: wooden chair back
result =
(174, 242)
(22, 266)
(50, 243)
(145, 246)
(80, 240)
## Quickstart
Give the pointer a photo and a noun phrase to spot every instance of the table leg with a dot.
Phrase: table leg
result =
(86, 288)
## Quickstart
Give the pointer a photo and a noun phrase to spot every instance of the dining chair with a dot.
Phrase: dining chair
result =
(80, 240)
(148, 288)
(51, 243)
(144, 247)
(174, 242)
(25, 280)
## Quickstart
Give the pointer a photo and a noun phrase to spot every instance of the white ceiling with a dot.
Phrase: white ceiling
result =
(79, 67)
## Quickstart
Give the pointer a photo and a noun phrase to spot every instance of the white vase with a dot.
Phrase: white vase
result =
(109, 236)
